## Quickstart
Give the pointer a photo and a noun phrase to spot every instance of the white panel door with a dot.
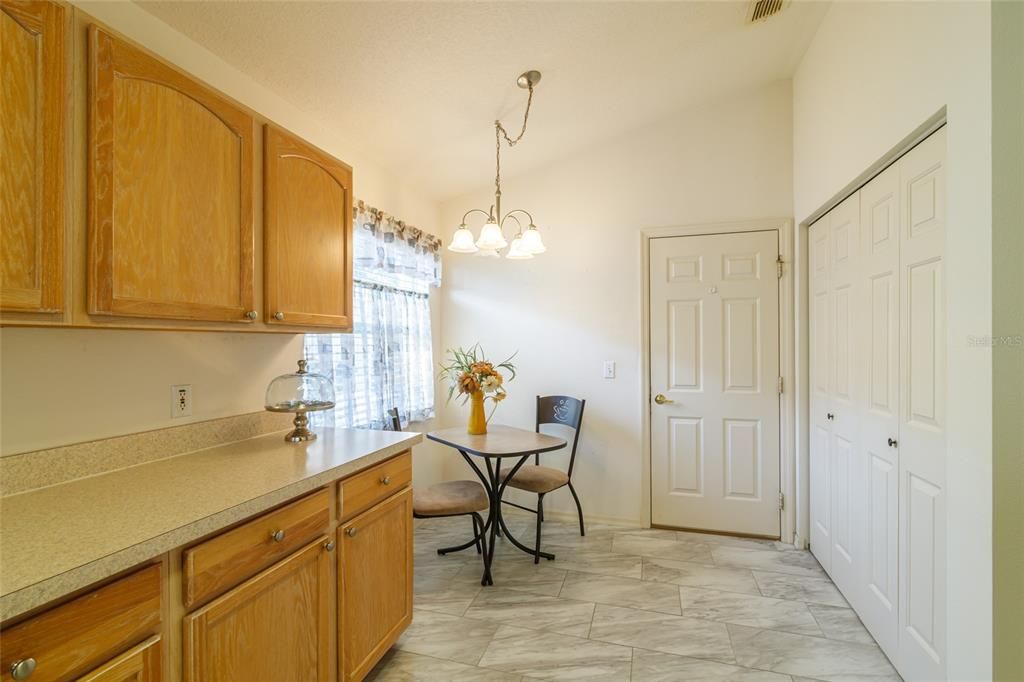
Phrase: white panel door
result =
(922, 442)
(820, 330)
(879, 406)
(844, 447)
(715, 356)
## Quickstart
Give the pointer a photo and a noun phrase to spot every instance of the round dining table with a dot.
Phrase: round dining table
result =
(499, 443)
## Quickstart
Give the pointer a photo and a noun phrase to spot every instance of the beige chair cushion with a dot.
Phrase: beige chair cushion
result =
(536, 479)
(449, 498)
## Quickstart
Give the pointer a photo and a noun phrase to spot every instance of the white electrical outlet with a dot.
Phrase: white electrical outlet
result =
(181, 400)
(609, 369)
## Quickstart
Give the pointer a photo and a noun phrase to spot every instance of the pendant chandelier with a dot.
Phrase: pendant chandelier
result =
(525, 244)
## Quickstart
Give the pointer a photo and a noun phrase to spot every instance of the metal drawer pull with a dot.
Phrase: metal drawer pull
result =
(278, 316)
(329, 545)
(251, 314)
(23, 669)
(351, 532)
(892, 443)
(385, 480)
(277, 535)
(830, 416)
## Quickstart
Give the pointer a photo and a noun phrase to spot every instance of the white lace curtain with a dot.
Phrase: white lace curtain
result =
(387, 360)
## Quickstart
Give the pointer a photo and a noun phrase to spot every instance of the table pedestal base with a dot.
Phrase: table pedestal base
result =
(495, 523)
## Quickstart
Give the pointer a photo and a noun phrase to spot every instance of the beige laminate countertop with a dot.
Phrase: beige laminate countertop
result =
(59, 539)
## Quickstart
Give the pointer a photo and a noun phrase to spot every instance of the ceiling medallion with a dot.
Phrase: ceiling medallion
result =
(492, 239)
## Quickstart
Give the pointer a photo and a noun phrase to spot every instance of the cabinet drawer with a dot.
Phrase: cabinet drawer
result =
(369, 487)
(222, 562)
(74, 638)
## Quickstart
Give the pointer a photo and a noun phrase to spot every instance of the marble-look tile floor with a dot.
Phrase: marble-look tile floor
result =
(627, 604)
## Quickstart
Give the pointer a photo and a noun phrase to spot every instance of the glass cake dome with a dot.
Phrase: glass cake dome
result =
(300, 392)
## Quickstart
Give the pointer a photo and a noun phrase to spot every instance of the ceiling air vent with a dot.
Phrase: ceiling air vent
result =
(765, 9)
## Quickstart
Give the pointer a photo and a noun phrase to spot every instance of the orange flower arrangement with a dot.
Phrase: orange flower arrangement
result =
(468, 372)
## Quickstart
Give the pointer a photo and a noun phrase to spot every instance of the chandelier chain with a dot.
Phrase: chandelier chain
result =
(499, 132)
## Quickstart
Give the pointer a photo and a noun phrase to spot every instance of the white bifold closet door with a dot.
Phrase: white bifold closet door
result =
(879, 407)
(922, 437)
(878, 387)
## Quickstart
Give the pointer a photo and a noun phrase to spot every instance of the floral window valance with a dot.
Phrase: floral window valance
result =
(395, 249)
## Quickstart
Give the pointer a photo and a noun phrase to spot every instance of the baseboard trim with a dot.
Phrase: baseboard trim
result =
(590, 518)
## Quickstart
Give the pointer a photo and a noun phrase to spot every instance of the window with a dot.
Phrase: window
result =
(387, 360)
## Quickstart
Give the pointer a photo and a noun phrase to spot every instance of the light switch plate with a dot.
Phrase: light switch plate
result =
(181, 401)
(609, 369)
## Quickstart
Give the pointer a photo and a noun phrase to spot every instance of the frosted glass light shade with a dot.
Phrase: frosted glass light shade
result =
(462, 241)
(491, 237)
(532, 243)
(515, 252)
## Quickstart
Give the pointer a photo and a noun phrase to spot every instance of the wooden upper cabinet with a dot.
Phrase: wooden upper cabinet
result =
(307, 197)
(33, 124)
(170, 191)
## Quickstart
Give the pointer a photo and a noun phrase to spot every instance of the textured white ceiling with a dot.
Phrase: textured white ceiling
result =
(417, 85)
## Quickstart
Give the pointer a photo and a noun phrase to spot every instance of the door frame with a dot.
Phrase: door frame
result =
(787, 360)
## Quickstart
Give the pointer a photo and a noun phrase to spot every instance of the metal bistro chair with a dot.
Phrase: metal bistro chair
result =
(534, 478)
(449, 498)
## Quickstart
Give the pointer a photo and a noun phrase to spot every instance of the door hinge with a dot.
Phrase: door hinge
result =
(782, 501)
(778, 265)
(780, 385)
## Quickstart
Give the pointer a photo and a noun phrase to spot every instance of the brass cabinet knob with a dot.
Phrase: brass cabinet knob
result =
(329, 545)
(251, 314)
(351, 532)
(385, 480)
(277, 535)
(662, 400)
(279, 316)
(23, 669)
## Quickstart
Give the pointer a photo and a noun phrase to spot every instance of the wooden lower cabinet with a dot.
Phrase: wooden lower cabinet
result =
(275, 627)
(140, 664)
(375, 583)
(69, 640)
(303, 618)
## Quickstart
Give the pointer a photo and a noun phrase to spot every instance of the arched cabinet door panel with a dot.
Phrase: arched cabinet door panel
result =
(307, 197)
(33, 124)
(170, 191)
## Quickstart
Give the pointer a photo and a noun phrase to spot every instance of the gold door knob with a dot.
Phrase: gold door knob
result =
(662, 400)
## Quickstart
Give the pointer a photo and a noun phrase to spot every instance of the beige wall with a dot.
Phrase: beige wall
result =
(64, 386)
(60, 386)
(569, 310)
(1008, 324)
(872, 74)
